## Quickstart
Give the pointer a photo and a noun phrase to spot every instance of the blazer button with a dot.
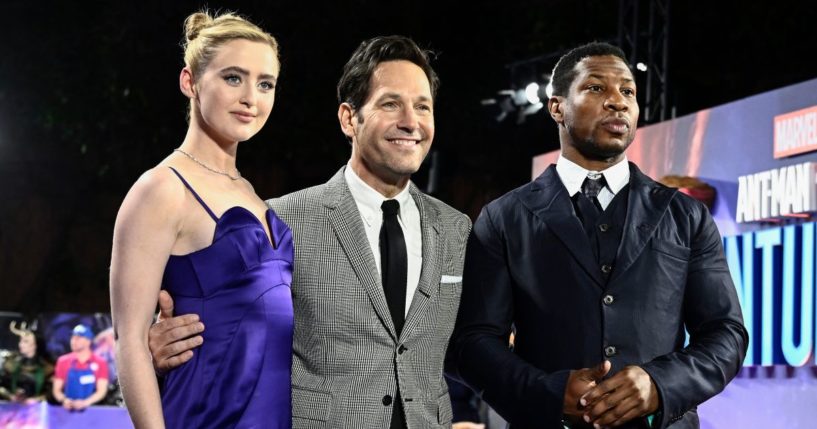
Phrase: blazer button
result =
(604, 227)
(606, 269)
(387, 400)
(609, 351)
(608, 299)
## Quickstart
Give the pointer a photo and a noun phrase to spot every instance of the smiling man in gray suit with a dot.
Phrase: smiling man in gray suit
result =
(378, 263)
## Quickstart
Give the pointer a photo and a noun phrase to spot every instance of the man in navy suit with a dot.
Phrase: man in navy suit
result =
(598, 270)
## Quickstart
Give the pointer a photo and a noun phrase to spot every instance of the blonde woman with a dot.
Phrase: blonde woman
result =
(194, 227)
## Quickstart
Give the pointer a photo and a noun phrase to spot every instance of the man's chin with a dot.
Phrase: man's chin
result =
(405, 167)
(404, 172)
(605, 151)
(602, 155)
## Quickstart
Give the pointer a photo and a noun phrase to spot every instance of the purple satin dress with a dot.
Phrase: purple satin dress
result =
(240, 287)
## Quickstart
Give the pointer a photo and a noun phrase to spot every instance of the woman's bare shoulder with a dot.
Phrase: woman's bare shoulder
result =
(157, 191)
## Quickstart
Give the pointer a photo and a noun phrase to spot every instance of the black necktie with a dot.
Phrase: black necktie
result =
(394, 268)
(591, 189)
(587, 202)
(393, 263)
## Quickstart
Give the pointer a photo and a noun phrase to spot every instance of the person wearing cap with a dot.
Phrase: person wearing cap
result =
(81, 377)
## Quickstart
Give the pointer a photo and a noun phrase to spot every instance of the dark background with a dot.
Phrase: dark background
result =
(89, 99)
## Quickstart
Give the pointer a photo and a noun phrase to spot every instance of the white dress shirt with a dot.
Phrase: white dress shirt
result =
(572, 176)
(368, 203)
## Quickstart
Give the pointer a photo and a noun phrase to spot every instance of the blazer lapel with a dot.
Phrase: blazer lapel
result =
(431, 270)
(348, 227)
(548, 200)
(646, 205)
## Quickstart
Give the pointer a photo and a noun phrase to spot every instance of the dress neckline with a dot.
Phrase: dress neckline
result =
(272, 240)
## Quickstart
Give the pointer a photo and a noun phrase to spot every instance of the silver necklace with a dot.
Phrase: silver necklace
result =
(223, 173)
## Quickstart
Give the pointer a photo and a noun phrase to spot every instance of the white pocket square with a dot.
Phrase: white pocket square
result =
(450, 279)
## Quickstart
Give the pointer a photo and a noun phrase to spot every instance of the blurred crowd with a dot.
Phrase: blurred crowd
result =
(84, 376)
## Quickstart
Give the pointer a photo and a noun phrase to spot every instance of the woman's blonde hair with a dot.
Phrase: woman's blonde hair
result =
(204, 34)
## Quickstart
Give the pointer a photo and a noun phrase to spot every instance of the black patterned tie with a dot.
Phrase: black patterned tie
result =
(393, 263)
(591, 188)
(587, 203)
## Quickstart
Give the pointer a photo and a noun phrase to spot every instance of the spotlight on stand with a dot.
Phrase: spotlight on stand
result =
(522, 101)
(532, 93)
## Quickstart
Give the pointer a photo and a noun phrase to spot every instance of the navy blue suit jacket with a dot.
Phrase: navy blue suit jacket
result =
(529, 265)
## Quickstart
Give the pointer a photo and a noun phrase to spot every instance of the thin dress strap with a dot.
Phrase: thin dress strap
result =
(210, 212)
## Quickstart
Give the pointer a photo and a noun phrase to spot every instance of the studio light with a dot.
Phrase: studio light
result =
(532, 93)
(523, 101)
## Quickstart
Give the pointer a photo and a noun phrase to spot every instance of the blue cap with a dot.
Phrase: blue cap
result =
(83, 331)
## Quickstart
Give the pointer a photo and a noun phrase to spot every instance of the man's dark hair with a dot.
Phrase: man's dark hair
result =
(565, 70)
(353, 87)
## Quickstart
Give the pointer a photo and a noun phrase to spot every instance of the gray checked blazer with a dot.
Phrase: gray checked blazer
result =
(347, 363)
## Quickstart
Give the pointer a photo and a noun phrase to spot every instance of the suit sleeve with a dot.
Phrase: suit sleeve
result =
(520, 392)
(712, 315)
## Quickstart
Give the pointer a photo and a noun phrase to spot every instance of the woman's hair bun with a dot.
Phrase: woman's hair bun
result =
(195, 23)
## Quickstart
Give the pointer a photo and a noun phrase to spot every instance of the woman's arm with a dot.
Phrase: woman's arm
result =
(147, 226)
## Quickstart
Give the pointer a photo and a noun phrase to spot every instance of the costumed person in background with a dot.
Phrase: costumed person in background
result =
(233, 269)
(25, 375)
(81, 377)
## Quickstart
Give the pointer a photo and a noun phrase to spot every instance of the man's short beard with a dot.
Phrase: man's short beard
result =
(591, 150)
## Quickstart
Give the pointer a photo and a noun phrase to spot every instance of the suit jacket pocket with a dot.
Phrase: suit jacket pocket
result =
(451, 288)
(444, 412)
(676, 251)
(450, 294)
(310, 404)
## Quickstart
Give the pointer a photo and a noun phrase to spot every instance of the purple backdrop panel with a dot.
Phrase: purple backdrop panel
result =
(764, 397)
(23, 416)
(41, 415)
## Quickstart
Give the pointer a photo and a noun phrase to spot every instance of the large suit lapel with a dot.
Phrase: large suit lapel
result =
(646, 205)
(348, 227)
(431, 270)
(548, 200)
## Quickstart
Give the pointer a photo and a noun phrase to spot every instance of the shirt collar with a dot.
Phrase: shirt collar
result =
(368, 199)
(572, 175)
